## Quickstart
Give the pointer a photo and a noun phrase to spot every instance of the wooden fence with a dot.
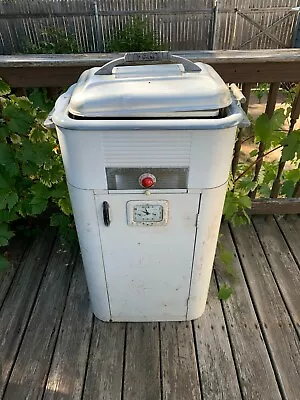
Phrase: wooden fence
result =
(242, 67)
(179, 24)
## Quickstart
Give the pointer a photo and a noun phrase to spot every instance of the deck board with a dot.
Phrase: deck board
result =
(67, 372)
(18, 304)
(142, 362)
(283, 265)
(32, 364)
(255, 372)
(247, 347)
(16, 251)
(105, 365)
(214, 352)
(275, 321)
(290, 228)
(178, 361)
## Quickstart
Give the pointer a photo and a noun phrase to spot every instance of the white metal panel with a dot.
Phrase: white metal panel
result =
(148, 268)
(156, 149)
(210, 214)
(211, 154)
(83, 158)
(207, 153)
(84, 209)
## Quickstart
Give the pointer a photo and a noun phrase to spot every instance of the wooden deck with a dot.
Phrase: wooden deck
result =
(248, 347)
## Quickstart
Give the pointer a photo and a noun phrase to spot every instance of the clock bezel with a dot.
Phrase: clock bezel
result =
(133, 203)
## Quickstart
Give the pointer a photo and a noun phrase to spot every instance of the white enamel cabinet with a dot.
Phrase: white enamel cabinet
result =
(147, 151)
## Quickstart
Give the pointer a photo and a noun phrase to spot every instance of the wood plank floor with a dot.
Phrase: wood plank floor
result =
(51, 346)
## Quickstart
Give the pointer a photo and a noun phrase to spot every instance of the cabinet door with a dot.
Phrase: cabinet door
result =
(148, 268)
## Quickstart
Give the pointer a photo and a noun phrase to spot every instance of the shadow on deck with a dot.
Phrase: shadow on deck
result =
(248, 347)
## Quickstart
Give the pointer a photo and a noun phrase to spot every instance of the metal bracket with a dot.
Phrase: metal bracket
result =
(48, 123)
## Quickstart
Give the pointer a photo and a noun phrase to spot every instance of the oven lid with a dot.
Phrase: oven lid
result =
(145, 91)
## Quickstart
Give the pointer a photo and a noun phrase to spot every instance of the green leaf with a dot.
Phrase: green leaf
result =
(22, 102)
(291, 146)
(6, 154)
(288, 188)
(246, 184)
(265, 190)
(230, 185)
(15, 138)
(240, 219)
(51, 177)
(38, 205)
(12, 169)
(261, 175)
(12, 200)
(65, 206)
(5, 234)
(265, 128)
(4, 132)
(253, 153)
(37, 135)
(293, 175)
(224, 292)
(230, 206)
(278, 119)
(262, 128)
(7, 199)
(19, 120)
(59, 190)
(40, 190)
(29, 168)
(66, 227)
(4, 88)
(270, 171)
(25, 207)
(40, 100)
(8, 216)
(226, 257)
(245, 201)
(4, 263)
(19, 125)
(4, 181)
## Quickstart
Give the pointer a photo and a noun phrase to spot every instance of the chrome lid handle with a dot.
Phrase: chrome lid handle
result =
(148, 56)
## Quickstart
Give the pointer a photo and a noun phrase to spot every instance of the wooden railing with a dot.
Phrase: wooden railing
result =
(245, 68)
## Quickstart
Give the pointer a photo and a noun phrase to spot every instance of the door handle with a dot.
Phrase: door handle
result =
(105, 210)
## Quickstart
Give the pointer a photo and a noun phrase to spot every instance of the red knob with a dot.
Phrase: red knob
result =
(147, 182)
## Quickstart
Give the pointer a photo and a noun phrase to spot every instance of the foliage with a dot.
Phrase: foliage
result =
(225, 292)
(260, 90)
(31, 171)
(270, 133)
(136, 36)
(268, 130)
(235, 208)
(269, 136)
(54, 41)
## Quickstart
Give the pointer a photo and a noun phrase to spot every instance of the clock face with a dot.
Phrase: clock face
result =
(148, 213)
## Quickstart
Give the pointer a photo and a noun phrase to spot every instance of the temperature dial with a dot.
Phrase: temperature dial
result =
(147, 180)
